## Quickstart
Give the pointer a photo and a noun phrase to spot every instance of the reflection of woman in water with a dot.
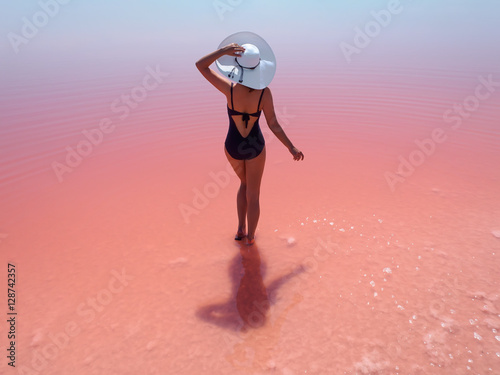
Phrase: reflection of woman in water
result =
(253, 299)
(248, 309)
(248, 66)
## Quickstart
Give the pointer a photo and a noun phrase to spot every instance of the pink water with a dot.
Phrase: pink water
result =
(128, 265)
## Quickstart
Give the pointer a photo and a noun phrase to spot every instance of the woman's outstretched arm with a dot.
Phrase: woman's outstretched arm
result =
(276, 128)
(222, 84)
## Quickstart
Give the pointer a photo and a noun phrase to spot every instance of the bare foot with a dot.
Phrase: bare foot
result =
(240, 234)
(250, 240)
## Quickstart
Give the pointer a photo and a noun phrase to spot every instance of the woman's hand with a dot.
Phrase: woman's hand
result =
(297, 154)
(233, 49)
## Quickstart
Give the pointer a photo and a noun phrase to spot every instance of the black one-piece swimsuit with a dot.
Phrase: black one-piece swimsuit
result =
(239, 147)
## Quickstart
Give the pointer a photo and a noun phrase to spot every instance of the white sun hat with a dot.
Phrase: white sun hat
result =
(255, 67)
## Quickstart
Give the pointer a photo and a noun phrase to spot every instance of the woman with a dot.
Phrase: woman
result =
(248, 66)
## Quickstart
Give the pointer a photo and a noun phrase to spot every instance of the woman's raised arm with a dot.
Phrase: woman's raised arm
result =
(222, 84)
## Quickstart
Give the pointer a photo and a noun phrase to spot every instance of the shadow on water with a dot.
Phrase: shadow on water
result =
(250, 299)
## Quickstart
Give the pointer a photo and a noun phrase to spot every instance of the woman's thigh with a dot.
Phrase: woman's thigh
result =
(238, 166)
(254, 168)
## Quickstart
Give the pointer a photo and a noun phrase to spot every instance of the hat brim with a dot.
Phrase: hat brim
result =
(257, 78)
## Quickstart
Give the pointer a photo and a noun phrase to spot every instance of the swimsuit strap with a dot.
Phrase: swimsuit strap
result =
(232, 104)
(258, 105)
(261, 94)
